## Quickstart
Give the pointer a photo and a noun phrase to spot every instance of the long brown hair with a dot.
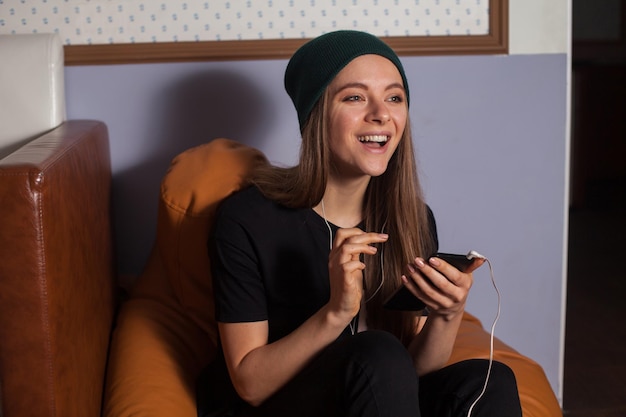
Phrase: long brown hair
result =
(393, 204)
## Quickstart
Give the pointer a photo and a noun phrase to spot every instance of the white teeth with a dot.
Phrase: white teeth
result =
(373, 138)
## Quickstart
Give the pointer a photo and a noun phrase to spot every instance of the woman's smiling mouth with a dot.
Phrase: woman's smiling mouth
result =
(381, 140)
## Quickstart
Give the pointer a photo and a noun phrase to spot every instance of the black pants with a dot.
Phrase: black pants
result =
(371, 374)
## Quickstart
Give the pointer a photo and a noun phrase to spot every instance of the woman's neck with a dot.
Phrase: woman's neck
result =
(342, 205)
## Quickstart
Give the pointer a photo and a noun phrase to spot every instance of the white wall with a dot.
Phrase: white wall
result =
(539, 26)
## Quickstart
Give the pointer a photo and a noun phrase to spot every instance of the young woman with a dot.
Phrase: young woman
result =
(304, 259)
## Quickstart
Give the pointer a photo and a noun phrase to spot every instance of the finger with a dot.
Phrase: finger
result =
(477, 263)
(355, 235)
(421, 288)
(418, 283)
(450, 273)
(432, 287)
(439, 289)
(349, 253)
(349, 269)
(444, 269)
(354, 250)
(350, 244)
(468, 268)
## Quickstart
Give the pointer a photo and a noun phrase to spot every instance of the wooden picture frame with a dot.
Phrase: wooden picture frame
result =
(496, 42)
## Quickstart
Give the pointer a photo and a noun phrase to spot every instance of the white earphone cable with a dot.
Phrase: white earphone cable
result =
(491, 339)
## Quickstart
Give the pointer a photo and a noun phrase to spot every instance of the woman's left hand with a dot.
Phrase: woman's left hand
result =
(441, 286)
(444, 290)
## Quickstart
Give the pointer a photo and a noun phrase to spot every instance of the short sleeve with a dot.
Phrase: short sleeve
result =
(238, 286)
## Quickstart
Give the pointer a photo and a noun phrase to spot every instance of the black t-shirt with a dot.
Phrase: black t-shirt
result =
(269, 262)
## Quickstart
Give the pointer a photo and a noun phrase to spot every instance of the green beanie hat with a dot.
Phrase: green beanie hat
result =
(314, 65)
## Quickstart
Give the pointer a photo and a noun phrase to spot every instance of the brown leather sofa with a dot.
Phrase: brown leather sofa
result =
(56, 273)
(56, 265)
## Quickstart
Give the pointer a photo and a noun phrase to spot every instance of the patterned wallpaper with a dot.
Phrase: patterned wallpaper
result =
(129, 21)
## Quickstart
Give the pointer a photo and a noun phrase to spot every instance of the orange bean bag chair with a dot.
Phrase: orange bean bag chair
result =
(166, 332)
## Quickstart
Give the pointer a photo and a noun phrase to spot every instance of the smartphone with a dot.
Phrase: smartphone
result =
(403, 299)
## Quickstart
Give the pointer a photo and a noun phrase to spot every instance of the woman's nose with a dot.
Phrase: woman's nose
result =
(378, 113)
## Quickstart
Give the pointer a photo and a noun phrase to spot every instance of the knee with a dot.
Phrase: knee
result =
(381, 369)
(382, 352)
(501, 382)
(501, 396)
(455, 389)
(502, 377)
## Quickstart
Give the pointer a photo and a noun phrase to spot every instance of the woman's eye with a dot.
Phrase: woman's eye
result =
(352, 98)
(396, 99)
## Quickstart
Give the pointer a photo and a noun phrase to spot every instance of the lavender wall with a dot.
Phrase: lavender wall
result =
(492, 149)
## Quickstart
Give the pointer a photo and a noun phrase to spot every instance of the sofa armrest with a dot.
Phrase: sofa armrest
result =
(56, 272)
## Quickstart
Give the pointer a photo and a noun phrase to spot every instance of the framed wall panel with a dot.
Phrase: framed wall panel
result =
(135, 31)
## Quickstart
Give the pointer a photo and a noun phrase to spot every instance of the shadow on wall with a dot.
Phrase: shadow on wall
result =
(196, 109)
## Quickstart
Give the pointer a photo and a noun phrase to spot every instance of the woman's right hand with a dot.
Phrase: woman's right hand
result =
(346, 269)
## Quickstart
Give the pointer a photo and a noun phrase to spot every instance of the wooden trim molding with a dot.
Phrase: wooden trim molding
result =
(496, 42)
